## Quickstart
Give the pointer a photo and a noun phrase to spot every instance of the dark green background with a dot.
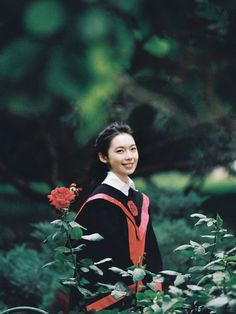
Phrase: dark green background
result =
(67, 68)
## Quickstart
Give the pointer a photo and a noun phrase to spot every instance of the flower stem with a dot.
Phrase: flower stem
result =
(72, 254)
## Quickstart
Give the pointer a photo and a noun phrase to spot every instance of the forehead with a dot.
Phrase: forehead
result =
(123, 139)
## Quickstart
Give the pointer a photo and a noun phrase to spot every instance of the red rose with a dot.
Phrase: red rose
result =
(61, 197)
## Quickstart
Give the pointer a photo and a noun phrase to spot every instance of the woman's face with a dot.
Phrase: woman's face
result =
(122, 155)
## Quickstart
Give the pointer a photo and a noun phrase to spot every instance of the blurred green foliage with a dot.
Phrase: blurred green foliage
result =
(77, 66)
(23, 277)
(44, 18)
(69, 68)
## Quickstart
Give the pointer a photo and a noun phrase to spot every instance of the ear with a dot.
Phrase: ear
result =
(103, 158)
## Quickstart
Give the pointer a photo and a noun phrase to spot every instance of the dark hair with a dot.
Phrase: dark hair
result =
(98, 170)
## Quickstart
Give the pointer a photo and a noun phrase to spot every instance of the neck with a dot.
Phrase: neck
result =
(124, 179)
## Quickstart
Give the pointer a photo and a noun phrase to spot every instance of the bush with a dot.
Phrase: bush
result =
(24, 280)
(202, 279)
(208, 285)
(170, 234)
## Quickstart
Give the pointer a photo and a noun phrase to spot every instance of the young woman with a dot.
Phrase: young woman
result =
(118, 212)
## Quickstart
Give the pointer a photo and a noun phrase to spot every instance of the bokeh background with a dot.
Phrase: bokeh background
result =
(67, 69)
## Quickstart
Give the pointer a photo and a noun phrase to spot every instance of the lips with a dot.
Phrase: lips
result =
(128, 166)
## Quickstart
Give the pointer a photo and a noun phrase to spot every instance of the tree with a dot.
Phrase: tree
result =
(69, 68)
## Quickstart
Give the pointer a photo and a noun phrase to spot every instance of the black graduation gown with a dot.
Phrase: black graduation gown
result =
(107, 219)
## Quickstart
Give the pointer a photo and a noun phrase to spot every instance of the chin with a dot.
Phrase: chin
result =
(130, 172)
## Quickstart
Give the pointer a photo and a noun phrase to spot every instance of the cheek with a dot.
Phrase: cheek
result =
(114, 160)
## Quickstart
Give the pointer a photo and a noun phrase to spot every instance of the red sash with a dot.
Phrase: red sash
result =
(137, 237)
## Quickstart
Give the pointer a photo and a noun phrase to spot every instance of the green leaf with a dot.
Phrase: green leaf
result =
(57, 222)
(194, 244)
(83, 281)
(62, 249)
(70, 264)
(108, 259)
(198, 248)
(74, 224)
(202, 221)
(122, 287)
(86, 262)
(96, 269)
(183, 247)
(119, 271)
(68, 282)
(216, 267)
(208, 236)
(228, 235)
(79, 248)
(196, 269)
(204, 279)
(169, 304)
(84, 269)
(212, 263)
(218, 302)
(93, 237)
(231, 250)
(145, 295)
(61, 252)
(198, 216)
(211, 222)
(169, 272)
(220, 254)
(56, 235)
(219, 221)
(231, 258)
(48, 264)
(219, 276)
(51, 237)
(84, 292)
(110, 287)
(118, 294)
(194, 287)
(60, 257)
(76, 233)
(156, 308)
(65, 225)
(179, 280)
(152, 286)
(175, 291)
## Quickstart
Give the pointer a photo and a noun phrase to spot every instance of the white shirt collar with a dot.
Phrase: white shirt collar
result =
(112, 180)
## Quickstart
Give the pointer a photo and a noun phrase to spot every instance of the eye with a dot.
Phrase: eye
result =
(120, 151)
(134, 149)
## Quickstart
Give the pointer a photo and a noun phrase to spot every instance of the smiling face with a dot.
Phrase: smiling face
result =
(122, 156)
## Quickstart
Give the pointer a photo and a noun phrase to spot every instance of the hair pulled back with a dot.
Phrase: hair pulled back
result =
(105, 137)
(98, 170)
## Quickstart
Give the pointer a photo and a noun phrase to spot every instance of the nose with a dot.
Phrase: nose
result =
(128, 155)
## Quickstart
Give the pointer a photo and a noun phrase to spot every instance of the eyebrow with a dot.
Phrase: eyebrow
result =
(124, 146)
